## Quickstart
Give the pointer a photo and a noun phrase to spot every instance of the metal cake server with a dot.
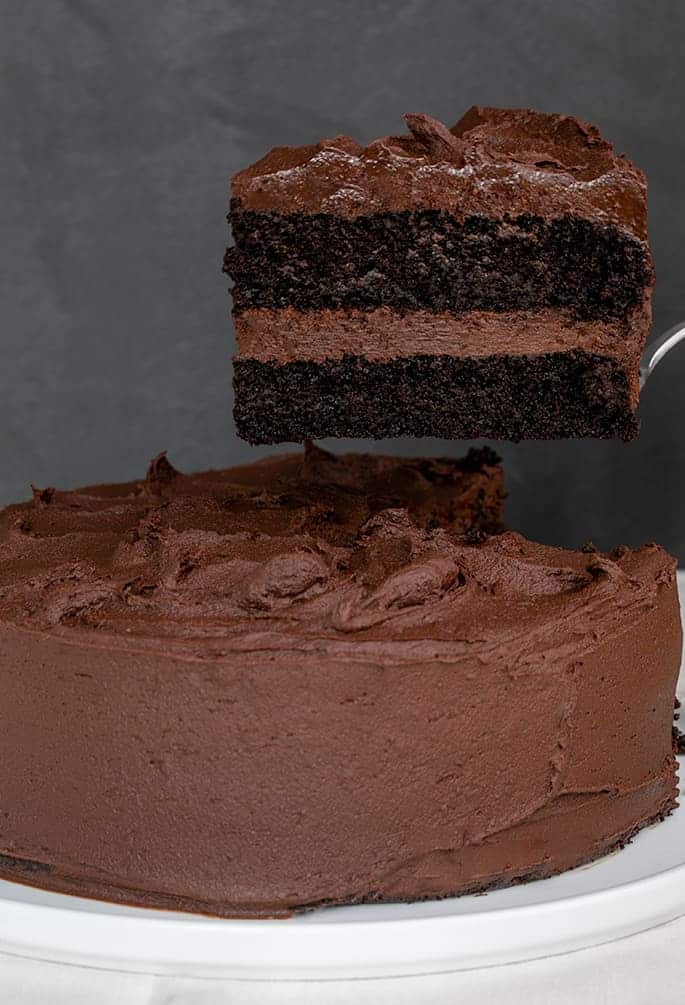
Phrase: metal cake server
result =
(656, 350)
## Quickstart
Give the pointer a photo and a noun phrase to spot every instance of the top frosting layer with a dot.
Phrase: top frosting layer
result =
(493, 162)
(292, 559)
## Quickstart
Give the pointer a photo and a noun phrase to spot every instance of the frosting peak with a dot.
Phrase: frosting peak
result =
(436, 139)
(558, 143)
(503, 136)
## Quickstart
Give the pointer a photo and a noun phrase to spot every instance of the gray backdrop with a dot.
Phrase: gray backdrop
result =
(120, 124)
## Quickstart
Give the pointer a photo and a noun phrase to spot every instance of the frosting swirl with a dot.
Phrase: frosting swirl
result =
(352, 555)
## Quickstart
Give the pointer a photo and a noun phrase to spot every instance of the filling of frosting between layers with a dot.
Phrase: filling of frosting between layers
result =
(286, 334)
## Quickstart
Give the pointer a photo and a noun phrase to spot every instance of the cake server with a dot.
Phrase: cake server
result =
(656, 350)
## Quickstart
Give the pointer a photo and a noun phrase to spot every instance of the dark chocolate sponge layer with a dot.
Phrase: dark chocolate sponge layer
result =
(428, 259)
(550, 396)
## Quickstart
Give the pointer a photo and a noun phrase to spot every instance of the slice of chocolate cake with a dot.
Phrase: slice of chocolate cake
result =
(489, 280)
(252, 692)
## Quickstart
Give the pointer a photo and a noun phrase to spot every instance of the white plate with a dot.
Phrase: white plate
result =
(625, 893)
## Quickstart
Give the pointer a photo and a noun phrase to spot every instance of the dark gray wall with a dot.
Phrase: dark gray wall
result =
(119, 126)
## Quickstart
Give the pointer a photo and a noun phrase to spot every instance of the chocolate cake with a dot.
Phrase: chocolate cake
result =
(489, 280)
(298, 683)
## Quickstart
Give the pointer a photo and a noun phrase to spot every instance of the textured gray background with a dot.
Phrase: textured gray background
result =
(120, 124)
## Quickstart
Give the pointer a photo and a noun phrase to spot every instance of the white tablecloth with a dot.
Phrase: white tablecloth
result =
(645, 969)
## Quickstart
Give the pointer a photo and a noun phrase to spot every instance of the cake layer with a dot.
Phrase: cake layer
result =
(494, 162)
(429, 259)
(226, 693)
(287, 335)
(551, 395)
(492, 280)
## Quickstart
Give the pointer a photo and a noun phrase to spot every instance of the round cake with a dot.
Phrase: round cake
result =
(318, 680)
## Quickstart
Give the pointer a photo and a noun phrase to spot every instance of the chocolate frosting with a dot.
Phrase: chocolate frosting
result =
(285, 334)
(288, 552)
(291, 550)
(252, 691)
(274, 545)
(493, 162)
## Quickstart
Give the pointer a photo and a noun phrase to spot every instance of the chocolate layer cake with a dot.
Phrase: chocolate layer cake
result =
(257, 691)
(489, 280)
